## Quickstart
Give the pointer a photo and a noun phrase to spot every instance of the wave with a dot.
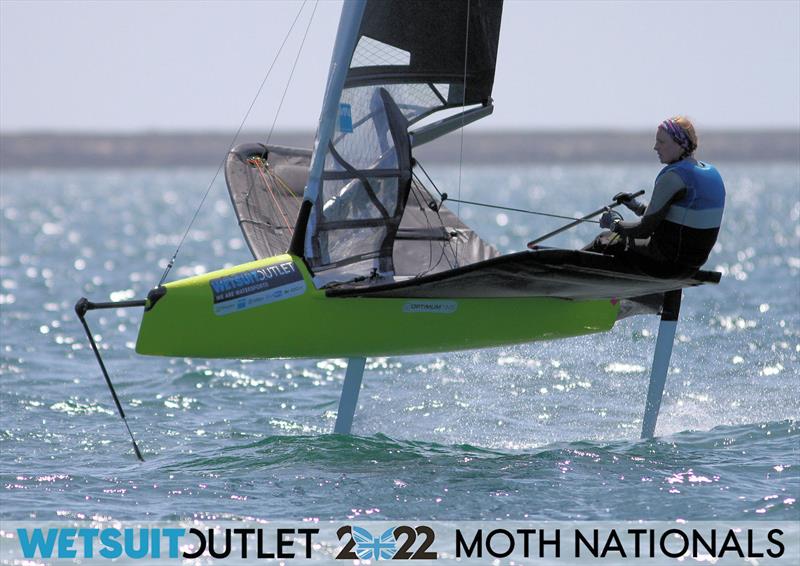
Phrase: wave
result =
(377, 451)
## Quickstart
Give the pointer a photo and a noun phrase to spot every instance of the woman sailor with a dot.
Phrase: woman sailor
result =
(679, 227)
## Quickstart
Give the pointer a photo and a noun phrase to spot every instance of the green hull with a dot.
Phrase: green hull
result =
(204, 317)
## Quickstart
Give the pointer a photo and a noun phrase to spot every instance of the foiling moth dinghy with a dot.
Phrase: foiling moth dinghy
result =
(355, 257)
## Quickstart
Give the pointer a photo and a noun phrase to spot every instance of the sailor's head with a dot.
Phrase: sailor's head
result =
(675, 139)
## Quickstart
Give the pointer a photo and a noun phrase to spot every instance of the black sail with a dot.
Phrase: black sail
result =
(434, 35)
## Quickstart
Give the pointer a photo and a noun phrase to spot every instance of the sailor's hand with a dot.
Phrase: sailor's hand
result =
(607, 219)
(630, 202)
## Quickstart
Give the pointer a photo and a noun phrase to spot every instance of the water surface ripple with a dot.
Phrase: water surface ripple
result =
(541, 431)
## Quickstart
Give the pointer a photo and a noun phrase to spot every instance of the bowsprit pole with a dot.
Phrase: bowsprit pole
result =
(81, 307)
(589, 216)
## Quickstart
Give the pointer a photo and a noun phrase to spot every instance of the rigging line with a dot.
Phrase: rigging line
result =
(441, 222)
(416, 162)
(415, 190)
(463, 105)
(436, 211)
(274, 190)
(274, 193)
(431, 204)
(442, 255)
(294, 66)
(274, 198)
(448, 242)
(521, 210)
(427, 221)
(230, 147)
(444, 197)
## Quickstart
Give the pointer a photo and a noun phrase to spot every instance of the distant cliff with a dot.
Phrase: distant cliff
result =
(50, 150)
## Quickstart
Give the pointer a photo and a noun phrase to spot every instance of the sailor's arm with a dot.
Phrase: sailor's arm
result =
(669, 187)
(630, 202)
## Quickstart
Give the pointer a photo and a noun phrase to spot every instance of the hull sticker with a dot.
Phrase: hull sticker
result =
(250, 289)
(435, 307)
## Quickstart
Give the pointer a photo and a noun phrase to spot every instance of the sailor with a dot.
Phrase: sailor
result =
(679, 227)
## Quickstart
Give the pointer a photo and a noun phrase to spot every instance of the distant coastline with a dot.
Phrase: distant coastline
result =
(196, 149)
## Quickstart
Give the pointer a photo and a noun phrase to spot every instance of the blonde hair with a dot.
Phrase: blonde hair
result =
(687, 126)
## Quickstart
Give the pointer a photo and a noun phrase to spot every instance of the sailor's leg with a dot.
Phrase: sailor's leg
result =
(349, 398)
(606, 242)
(663, 352)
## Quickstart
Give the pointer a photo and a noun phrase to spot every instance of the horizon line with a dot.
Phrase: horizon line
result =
(294, 131)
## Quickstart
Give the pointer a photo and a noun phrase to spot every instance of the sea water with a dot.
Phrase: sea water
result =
(547, 430)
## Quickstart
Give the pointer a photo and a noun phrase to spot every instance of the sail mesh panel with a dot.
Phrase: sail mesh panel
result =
(370, 52)
(416, 100)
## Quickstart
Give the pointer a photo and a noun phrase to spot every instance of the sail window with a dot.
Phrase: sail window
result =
(415, 101)
(367, 143)
(365, 184)
(371, 52)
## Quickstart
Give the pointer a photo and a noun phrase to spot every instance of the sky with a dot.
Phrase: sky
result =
(144, 65)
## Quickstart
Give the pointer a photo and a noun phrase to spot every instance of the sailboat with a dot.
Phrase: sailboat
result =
(355, 256)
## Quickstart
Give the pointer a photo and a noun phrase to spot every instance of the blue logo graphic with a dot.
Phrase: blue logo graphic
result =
(345, 118)
(109, 543)
(377, 548)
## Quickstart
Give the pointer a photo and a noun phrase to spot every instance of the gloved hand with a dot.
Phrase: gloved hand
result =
(607, 220)
(630, 202)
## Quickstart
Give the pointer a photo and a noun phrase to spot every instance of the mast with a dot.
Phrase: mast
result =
(346, 37)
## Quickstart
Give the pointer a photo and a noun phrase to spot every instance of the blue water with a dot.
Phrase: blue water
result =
(542, 431)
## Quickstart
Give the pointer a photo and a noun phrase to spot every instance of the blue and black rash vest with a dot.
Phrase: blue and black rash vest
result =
(689, 230)
(684, 215)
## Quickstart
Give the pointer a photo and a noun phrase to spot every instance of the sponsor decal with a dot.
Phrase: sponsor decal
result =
(345, 118)
(176, 543)
(437, 307)
(443, 542)
(249, 289)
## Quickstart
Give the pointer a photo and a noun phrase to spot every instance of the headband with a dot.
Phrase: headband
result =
(678, 135)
